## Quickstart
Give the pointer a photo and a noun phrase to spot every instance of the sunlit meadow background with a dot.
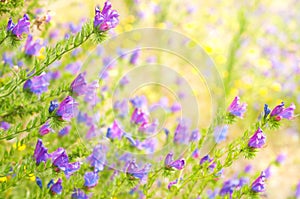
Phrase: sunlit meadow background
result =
(256, 48)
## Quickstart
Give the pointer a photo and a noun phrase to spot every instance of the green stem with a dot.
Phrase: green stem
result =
(3, 39)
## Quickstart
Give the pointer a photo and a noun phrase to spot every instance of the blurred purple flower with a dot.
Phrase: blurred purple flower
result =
(133, 169)
(39, 182)
(139, 116)
(175, 107)
(38, 84)
(280, 112)
(74, 67)
(195, 136)
(124, 81)
(56, 188)
(248, 168)
(91, 93)
(51, 182)
(268, 172)
(67, 109)
(297, 193)
(45, 129)
(149, 127)
(31, 47)
(181, 135)
(228, 187)
(267, 110)
(134, 57)
(195, 153)
(79, 194)
(121, 107)
(106, 18)
(64, 131)
(79, 85)
(280, 159)
(97, 158)
(236, 108)
(21, 27)
(90, 179)
(40, 152)
(258, 140)
(114, 132)
(4, 125)
(220, 133)
(172, 183)
(53, 106)
(259, 184)
(170, 163)
(139, 101)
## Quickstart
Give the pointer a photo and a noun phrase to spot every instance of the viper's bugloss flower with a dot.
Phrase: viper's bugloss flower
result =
(181, 135)
(79, 194)
(106, 18)
(268, 172)
(220, 133)
(259, 184)
(170, 163)
(124, 81)
(280, 159)
(56, 188)
(228, 187)
(248, 168)
(39, 182)
(195, 136)
(148, 127)
(67, 109)
(74, 67)
(148, 145)
(32, 48)
(172, 183)
(40, 152)
(90, 179)
(53, 106)
(121, 107)
(236, 108)
(267, 110)
(133, 169)
(258, 140)
(139, 116)
(207, 159)
(297, 193)
(50, 183)
(38, 84)
(280, 112)
(195, 153)
(70, 168)
(79, 85)
(139, 101)
(175, 107)
(114, 132)
(45, 129)
(91, 93)
(4, 125)
(21, 27)
(64, 131)
(134, 57)
(97, 158)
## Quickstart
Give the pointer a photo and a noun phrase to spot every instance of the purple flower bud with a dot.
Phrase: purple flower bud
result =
(45, 129)
(248, 168)
(57, 187)
(268, 172)
(236, 108)
(139, 116)
(4, 125)
(79, 194)
(259, 184)
(38, 84)
(205, 159)
(97, 158)
(51, 182)
(40, 152)
(139, 101)
(39, 182)
(67, 109)
(195, 153)
(53, 106)
(70, 168)
(195, 136)
(175, 107)
(124, 81)
(131, 140)
(115, 132)
(172, 183)
(106, 18)
(177, 164)
(220, 133)
(134, 57)
(31, 47)
(278, 109)
(64, 131)
(258, 140)
(267, 110)
(79, 85)
(21, 27)
(90, 179)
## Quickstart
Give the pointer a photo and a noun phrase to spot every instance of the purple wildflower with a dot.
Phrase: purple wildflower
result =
(53, 106)
(79, 194)
(170, 163)
(38, 84)
(45, 129)
(280, 112)
(259, 184)
(91, 93)
(21, 27)
(248, 168)
(195, 136)
(134, 57)
(258, 140)
(228, 187)
(181, 135)
(280, 159)
(267, 110)
(133, 169)
(31, 47)
(106, 18)
(67, 109)
(121, 107)
(297, 194)
(40, 152)
(114, 132)
(74, 67)
(220, 133)
(79, 85)
(209, 160)
(124, 81)
(90, 179)
(148, 127)
(268, 172)
(64, 131)
(195, 153)
(172, 183)
(236, 108)
(4, 125)
(139, 116)
(51, 182)
(56, 188)
(39, 182)
(139, 101)
(97, 158)
(175, 107)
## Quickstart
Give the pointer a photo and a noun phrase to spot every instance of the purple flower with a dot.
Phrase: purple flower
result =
(79, 194)
(297, 194)
(56, 188)
(74, 67)
(139, 101)
(220, 133)
(181, 135)
(38, 84)
(248, 168)
(97, 158)
(21, 27)
(172, 183)
(258, 140)
(39, 182)
(134, 57)
(268, 172)
(31, 47)
(170, 163)
(195, 136)
(121, 107)
(51, 182)
(259, 184)
(4, 125)
(133, 169)
(67, 109)
(280, 159)
(175, 107)
(195, 153)
(267, 110)
(91, 93)
(90, 179)
(53, 106)
(139, 116)
(64, 131)
(207, 159)
(115, 132)
(106, 18)
(124, 81)
(45, 129)
(280, 112)
(79, 85)
(131, 140)
(236, 108)
(228, 187)
(70, 168)
(40, 152)
(148, 127)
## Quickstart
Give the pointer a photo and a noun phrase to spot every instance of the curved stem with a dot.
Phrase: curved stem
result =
(3, 39)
